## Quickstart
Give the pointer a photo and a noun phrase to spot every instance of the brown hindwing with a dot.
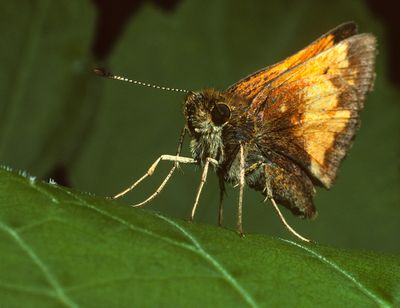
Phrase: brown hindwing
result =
(288, 184)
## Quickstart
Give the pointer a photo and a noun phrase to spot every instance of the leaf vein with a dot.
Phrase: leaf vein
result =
(31, 290)
(39, 263)
(375, 297)
(196, 249)
(35, 224)
(217, 265)
(83, 203)
(34, 186)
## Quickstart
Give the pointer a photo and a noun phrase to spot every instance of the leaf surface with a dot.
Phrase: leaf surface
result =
(71, 248)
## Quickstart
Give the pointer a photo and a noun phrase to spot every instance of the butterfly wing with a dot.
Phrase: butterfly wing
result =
(251, 85)
(310, 112)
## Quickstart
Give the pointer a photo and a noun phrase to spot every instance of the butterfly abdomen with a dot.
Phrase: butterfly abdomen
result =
(275, 176)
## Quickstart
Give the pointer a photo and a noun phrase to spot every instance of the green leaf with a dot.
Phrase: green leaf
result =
(59, 246)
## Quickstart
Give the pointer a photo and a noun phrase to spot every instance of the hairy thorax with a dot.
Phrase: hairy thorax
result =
(207, 113)
(208, 144)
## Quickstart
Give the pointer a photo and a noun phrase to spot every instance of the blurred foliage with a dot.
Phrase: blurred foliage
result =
(54, 112)
(62, 247)
(44, 82)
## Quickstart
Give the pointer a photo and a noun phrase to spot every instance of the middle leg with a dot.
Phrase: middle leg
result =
(241, 189)
(202, 182)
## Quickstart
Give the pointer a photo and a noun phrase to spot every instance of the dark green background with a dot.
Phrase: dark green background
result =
(56, 115)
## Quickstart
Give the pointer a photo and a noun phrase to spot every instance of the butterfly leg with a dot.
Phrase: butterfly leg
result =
(202, 182)
(176, 159)
(269, 192)
(241, 189)
(221, 199)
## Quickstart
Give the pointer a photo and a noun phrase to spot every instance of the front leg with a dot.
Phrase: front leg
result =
(150, 171)
(176, 159)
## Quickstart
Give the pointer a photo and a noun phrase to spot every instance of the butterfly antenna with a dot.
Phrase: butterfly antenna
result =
(104, 73)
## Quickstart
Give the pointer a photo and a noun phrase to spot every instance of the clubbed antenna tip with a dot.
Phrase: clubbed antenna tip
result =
(105, 73)
(100, 71)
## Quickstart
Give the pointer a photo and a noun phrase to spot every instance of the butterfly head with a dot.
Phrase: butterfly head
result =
(206, 113)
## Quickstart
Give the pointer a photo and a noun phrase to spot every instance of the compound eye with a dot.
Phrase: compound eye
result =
(220, 114)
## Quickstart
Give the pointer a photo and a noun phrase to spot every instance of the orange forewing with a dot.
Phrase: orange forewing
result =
(251, 85)
(310, 112)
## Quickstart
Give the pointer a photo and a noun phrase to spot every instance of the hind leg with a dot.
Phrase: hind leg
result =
(269, 193)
